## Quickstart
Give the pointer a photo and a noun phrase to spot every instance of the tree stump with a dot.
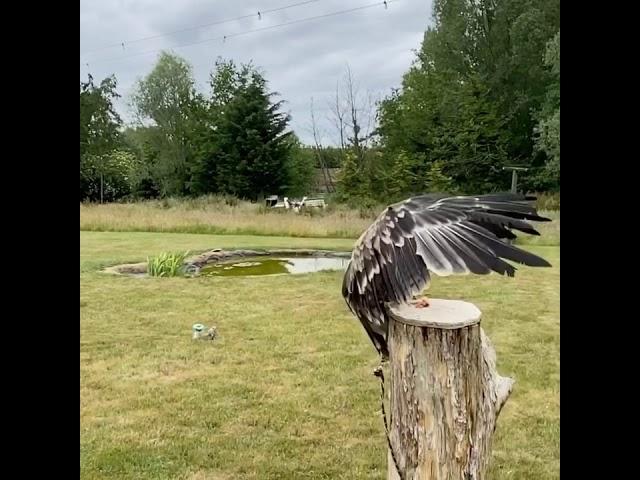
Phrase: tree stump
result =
(445, 394)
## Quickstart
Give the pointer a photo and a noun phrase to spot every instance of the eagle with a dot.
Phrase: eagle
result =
(394, 258)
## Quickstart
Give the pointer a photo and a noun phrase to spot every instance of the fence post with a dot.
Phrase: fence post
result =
(445, 394)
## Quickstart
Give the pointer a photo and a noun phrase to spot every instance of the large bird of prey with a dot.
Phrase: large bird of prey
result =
(393, 259)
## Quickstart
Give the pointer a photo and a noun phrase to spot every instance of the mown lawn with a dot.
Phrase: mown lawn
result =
(286, 390)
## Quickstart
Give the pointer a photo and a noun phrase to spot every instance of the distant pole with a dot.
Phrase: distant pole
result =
(514, 184)
(514, 176)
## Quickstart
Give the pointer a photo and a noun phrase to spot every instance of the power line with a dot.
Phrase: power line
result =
(231, 35)
(259, 14)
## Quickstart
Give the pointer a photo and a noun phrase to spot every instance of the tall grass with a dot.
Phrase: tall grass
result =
(217, 215)
(227, 215)
(548, 201)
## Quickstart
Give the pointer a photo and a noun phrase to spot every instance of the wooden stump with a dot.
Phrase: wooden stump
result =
(445, 394)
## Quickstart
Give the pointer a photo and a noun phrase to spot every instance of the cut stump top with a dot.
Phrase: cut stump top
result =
(445, 314)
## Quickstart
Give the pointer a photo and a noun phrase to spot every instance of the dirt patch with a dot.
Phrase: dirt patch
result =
(128, 269)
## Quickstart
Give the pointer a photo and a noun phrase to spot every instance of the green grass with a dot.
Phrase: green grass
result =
(285, 391)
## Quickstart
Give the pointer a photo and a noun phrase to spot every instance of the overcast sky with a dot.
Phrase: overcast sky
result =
(300, 61)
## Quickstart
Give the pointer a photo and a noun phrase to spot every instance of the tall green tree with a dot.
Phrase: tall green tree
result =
(167, 99)
(245, 149)
(452, 122)
(225, 82)
(548, 129)
(142, 142)
(472, 98)
(99, 121)
(99, 135)
(520, 30)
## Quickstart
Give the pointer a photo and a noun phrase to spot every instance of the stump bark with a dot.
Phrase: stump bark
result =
(445, 394)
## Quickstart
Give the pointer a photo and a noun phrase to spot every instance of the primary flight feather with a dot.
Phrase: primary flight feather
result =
(393, 259)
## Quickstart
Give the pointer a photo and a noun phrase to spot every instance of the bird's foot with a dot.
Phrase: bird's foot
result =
(422, 302)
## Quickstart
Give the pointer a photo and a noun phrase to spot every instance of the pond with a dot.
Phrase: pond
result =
(274, 266)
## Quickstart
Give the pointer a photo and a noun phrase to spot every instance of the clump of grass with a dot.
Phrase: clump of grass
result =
(548, 201)
(168, 264)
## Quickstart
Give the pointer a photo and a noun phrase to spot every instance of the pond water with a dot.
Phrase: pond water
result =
(274, 266)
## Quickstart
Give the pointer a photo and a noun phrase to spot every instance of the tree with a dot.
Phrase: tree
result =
(226, 81)
(352, 185)
(437, 181)
(448, 121)
(353, 115)
(472, 97)
(548, 129)
(245, 146)
(99, 134)
(406, 175)
(518, 86)
(354, 118)
(141, 142)
(166, 98)
(321, 152)
(411, 175)
(109, 176)
(301, 167)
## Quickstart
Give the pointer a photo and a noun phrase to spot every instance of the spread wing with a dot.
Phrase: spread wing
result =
(393, 258)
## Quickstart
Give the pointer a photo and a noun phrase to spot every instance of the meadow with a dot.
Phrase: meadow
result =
(220, 215)
(286, 390)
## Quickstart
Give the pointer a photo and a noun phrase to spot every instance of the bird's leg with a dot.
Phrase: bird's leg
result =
(421, 302)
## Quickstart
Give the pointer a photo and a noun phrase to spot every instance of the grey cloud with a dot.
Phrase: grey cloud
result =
(300, 61)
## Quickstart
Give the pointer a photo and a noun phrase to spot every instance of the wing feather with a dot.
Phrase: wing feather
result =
(392, 260)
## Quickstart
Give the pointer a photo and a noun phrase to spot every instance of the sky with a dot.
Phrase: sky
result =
(301, 61)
